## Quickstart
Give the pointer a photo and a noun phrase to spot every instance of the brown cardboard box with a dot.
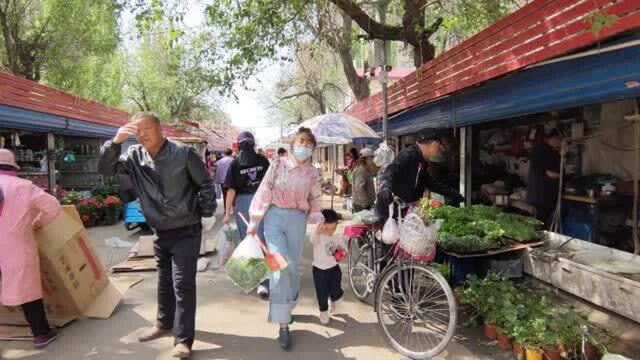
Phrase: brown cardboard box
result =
(74, 282)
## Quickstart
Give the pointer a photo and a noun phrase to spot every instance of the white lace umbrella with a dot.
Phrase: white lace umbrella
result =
(339, 129)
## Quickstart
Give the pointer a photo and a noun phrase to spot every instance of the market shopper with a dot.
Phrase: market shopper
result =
(363, 191)
(23, 207)
(544, 176)
(289, 196)
(177, 199)
(282, 152)
(243, 177)
(407, 176)
(222, 167)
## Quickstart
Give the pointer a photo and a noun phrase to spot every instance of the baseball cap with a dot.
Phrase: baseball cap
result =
(366, 152)
(245, 136)
(431, 134)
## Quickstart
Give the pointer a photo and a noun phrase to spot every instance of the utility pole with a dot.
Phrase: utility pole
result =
(384, 77)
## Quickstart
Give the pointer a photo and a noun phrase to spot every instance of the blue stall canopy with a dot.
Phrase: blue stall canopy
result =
(29, 120)
(596, 77)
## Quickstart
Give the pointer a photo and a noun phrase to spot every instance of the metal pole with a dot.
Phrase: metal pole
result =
(333, 173)
(384, 78)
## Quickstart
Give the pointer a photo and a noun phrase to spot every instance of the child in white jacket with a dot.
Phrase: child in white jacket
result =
(328, 249)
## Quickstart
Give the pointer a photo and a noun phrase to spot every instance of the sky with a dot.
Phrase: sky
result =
(247, 113)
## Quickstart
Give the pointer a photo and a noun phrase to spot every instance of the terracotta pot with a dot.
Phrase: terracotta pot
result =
(517, 349)
(504, 341)
(552, 354)
(533, 354)
(490, 331)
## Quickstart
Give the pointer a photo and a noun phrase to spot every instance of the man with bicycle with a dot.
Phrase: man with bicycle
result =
(407, 176)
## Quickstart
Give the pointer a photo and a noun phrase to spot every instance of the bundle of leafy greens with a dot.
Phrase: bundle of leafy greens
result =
(247, 273)
(520, 228)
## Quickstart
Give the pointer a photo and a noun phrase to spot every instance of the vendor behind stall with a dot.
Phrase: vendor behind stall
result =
(544, 176)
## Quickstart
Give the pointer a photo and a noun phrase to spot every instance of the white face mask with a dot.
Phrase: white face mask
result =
(302, 153)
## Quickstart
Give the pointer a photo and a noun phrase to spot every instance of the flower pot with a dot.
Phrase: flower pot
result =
(552, 354)
(517, 349)
(490, 331)
(90, 223)
(504, 341)
(532, 354)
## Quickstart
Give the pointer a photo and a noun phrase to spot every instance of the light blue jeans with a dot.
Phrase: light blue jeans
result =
(285, 231)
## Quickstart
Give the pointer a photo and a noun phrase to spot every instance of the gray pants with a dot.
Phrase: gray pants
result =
(177, 252)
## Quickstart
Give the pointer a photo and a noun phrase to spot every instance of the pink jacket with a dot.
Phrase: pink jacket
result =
(289, 185)
(25, 206)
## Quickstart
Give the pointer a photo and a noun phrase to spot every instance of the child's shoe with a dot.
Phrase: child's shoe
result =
(324, 318)
(335, 306)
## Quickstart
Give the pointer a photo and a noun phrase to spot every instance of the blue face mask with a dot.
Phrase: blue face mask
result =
(302, 153)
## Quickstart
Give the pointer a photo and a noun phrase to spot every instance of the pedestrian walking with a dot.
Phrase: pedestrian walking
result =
(177, 199)
(363, 192)
(23, 208)
(222, 167)
(243, 178)
(328, 250)
(289, 196)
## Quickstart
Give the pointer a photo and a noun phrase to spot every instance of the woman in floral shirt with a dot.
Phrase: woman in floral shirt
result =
(288, 197)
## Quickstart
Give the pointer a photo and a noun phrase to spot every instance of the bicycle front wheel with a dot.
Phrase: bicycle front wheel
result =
(416, 310)
(361, 275)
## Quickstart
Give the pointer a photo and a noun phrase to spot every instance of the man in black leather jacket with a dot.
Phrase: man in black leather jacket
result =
(177, 199)
(407, 176)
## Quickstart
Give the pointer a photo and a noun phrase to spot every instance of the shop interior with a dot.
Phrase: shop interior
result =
(600, 163)
(30, 149)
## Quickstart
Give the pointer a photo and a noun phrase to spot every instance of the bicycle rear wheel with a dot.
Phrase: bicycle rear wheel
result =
(416, 310)
(361, 276)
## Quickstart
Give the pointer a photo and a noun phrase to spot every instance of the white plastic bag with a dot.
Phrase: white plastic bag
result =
(246, 266)
(390, 232)
(383, 155)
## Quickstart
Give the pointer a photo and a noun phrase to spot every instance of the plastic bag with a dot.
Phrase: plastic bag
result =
(383, 155)
(246, 267)
(228, 239)
(358, 218)
(390, 232)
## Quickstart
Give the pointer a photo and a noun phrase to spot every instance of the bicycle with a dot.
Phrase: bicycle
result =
(415, 306)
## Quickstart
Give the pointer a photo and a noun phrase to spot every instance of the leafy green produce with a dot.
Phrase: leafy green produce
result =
(482, 212)
(520, 228)
(247, 273)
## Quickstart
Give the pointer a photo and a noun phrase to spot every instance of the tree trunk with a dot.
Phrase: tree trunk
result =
(358, 84)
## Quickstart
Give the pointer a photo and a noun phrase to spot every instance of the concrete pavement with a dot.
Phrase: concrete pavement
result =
(231, 325)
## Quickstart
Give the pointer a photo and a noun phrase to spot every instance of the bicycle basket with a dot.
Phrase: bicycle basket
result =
(416, 238)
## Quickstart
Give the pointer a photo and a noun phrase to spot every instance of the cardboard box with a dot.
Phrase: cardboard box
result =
(74, 282)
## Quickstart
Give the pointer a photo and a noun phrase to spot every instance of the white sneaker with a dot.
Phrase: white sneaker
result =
(335, 306)
(263, 290)
(324, 318)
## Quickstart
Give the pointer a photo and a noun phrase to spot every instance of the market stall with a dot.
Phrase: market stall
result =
(30, 150)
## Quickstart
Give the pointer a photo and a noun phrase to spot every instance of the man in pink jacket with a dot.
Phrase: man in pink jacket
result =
(23, 207)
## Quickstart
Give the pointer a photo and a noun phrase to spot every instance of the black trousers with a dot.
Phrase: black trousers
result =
(177, 257)
(36, 317)
(328, 285)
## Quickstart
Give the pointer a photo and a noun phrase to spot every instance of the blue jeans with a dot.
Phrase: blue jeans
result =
(243, 202)
(285, 233)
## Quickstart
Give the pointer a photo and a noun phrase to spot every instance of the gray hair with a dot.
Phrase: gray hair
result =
(145, 115)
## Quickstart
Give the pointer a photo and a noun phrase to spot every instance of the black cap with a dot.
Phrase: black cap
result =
(431, 134)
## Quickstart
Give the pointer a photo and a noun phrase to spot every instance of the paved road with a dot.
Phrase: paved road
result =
(231, 325)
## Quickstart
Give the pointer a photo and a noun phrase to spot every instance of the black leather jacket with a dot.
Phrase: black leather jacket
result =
(407, 178)
(175, 188)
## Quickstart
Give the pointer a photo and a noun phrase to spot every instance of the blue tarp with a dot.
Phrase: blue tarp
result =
(591, 79)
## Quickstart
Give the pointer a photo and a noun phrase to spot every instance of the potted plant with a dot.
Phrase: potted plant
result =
(89, 210)
(112, 209)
